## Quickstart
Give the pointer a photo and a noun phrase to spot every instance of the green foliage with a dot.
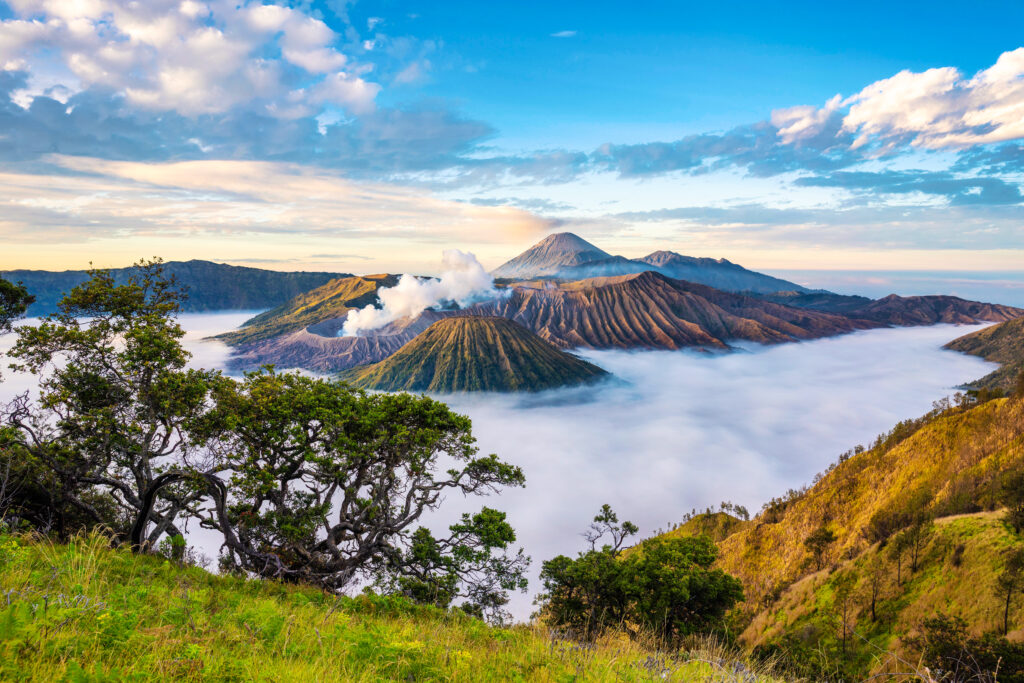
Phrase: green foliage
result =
(85, 612)
(1010, 582)
(818, 543)
(109, 433)
(14, 301)
(951, 654)
(328, 483)
(1012, 496)
(665, 586)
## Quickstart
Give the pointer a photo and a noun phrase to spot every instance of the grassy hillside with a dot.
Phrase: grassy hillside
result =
(83, 612)
(472, 353)
(332, 300)
(950, 467)
(1004, 344)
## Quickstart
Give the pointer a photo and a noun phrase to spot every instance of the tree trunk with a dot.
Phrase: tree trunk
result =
(1006, 611)
(148, 499)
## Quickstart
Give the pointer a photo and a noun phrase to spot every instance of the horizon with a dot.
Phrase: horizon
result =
(357, 137)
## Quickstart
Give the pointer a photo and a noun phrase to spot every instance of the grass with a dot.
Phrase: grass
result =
(86, 612)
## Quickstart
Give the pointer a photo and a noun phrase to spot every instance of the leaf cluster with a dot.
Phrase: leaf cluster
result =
(666, 586)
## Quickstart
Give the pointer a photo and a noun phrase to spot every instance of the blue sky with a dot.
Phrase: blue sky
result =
(370, 135)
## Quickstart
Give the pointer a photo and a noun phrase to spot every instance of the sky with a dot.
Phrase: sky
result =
(371, 135)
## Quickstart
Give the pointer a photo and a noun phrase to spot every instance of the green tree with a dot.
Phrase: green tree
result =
(898, 548)
(109, 436)
(844, 604)
(1012, 496)
(675, 590)
(606, 522)
(818, 543)
(1010, 583)
(875, 583)
(917, 536)
(329, 483)
(14, 301)
(664, 586)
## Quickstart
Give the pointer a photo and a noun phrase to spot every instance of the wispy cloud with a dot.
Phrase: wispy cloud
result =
(563, 34)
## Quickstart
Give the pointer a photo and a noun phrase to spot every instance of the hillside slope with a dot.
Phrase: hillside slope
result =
(1004, 344)
(85, 612)
(949, 466)
(473, 353)
(210, 286)
(330, 301)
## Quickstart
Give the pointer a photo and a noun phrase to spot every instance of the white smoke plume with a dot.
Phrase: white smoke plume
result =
(463, 281)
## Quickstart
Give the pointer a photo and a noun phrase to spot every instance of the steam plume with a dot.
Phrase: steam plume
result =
(463, 281)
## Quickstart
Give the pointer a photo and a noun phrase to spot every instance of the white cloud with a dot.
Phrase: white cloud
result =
(101, 198)
(462, 280)
(934, 109)
(563, 34)
(803, 122)
(190, 57)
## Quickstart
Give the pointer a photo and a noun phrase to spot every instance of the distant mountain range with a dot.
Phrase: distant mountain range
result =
(570, 257)
(475, 353)
(564, 290)
(210, 286)
(646, 310)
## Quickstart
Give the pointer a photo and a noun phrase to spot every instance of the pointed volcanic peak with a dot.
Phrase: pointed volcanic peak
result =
(475, 353)
(550, 256)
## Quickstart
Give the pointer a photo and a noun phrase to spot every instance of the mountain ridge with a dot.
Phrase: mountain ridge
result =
(1003, 344)
(210, 286)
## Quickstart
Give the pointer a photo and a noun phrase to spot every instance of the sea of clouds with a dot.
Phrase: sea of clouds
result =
(674, 430)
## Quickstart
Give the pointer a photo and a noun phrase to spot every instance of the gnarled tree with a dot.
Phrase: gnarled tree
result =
(108, 438)
(329, 484)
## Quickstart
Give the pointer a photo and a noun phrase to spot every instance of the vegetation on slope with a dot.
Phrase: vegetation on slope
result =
(211, 286)
(332, 300)
(474, 353)
(1002, 343)
(886, 537)
(86, 612)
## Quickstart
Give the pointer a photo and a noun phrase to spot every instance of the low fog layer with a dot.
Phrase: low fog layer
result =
(463, 281)
(674, 430)
(689, 430)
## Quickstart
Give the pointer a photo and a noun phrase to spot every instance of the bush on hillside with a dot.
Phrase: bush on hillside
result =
(664, 586)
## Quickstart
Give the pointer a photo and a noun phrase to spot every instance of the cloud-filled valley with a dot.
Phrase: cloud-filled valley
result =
(677, 430)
